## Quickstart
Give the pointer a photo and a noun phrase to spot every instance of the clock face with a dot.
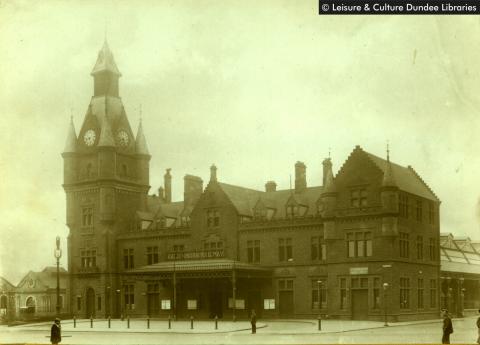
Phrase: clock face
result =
(122, 138)
(89, 137)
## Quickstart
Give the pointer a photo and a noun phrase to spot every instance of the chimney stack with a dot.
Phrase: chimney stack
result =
(213, 173)
(167, 178)
(192, 189)
(270, 186)
(300, 177)
(327, 166)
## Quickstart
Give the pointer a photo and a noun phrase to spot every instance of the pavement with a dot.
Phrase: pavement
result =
(268, 332)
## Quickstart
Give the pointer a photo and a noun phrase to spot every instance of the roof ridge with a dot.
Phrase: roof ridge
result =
(409, 167)
(233, 185)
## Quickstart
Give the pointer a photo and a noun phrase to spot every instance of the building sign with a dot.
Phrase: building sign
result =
(358, 270)
(192, 304)
(205, 254)
(239, 303)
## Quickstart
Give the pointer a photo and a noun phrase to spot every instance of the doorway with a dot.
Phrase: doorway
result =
(285, 303)
(90, 307)
(215, 303)
(360, 304)
(254, 302)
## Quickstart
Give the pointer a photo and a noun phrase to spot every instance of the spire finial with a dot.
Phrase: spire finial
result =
(105, 31)
(290, 181)
(140, 112)
(71, 114)
(388, 151)
(329, 149)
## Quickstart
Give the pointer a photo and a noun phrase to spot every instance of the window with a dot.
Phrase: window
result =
(343, 293)
(152, 255)
(403, 205)
(88, 258)
(419, 247)
(419, 210)
(433, 293)
(99, 302)
(260, 213)
(166, 305)
(128, 258)
(213, 218)
(79, 303)
(285, 250)
(269, 304)
(315, 293)
(376, 293)
(420, 294)
(404, 245)
(359, 244)
(404, 293)
(213, 245)
(185, 220)
(253, 251)
(433, 249)
(285, 284)
(87, 216)
(358, 197)
(431, 213)
(178, 247)
(318, 250)
(129, 296)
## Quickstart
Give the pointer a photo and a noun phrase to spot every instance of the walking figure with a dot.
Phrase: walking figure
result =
(447, 327)
(253, 321)
(56, 332)
(478, 326)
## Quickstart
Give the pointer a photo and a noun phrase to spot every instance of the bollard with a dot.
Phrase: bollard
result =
(148, 322)
(191, 322)
(319, 323)
(128, 321)
(216, 322)
(91, 321)
(109, 320)
(169, 322)
(121, 316)
(74, 322)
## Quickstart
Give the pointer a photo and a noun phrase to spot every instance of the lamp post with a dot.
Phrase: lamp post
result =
(58, 255)
(385, 287)
(174, 287)
(319, 282)
(234, 292)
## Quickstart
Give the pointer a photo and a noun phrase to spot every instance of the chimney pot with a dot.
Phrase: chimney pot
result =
(270, 186)
(167, 180)
(300, 177)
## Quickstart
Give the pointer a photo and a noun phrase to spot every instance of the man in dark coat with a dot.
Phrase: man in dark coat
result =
(478, 326)
(447, 327)
(253, 321)
(56, 332)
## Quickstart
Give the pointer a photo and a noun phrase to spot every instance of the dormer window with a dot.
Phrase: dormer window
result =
(185, 220)
(358, 197)
(260, 214)
(213, 218)
(292, 211)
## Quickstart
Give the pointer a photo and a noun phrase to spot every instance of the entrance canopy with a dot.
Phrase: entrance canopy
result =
(222, 267)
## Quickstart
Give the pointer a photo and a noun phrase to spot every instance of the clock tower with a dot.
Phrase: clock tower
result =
(106, 180)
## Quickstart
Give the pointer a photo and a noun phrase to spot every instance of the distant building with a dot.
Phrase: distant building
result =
(362, 245)
(7, 299)
(460, 275)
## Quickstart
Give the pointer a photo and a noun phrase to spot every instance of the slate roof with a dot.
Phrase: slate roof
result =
(105, 61)
(406, 178)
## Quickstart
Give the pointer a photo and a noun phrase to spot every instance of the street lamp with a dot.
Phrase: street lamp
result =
(58, 254)
(385, 287)
(319, 282)
(234, 292)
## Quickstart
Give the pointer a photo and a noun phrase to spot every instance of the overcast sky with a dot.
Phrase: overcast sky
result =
(252, 86)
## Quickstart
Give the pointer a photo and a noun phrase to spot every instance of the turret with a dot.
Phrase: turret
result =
(389, 197)
(69, 156)
(329, 194)
(143, 156)
(105, 73)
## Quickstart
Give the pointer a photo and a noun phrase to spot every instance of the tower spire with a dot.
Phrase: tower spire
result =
(71, 142)
(140, 141)
(388, 177)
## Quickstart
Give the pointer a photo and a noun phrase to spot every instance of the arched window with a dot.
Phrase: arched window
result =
(88, 172)
(3, 302)
(124, 170)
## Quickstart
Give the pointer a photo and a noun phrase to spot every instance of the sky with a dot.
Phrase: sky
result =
(250, 86)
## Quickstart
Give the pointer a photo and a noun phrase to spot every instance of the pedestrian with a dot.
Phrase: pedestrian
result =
(447, 327)
(56, 332)
(478, 326)
(253, 321)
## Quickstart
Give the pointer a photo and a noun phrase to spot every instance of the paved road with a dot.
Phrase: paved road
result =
(275, 332)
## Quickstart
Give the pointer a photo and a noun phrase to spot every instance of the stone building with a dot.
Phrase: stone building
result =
(363, 244)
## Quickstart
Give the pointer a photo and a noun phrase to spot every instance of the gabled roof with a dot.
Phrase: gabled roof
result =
(244, 199)
(105, 61)
(5, 284)
(406, 178)
(46, 279)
